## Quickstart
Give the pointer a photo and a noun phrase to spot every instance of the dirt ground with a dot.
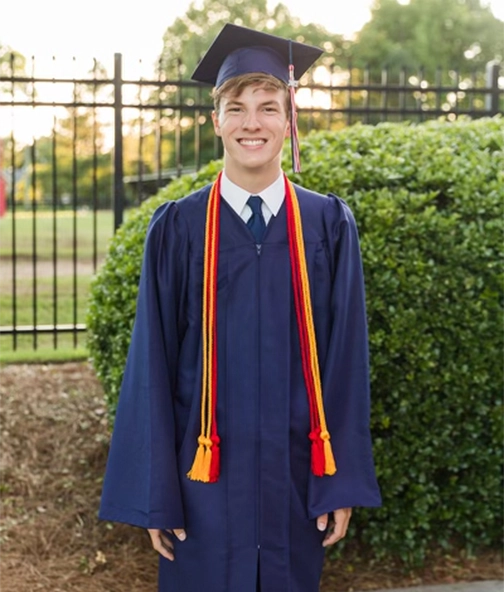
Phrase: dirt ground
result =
(53, 450)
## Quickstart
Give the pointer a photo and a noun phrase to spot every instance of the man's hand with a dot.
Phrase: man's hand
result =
(162, 543)
(338, 529)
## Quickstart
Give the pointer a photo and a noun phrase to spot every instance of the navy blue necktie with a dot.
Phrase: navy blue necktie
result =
(256, 222)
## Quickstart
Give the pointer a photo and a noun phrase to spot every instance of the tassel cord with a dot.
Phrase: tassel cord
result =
(309, 313)
(211, 295)
(299, 315)
(205, 466)
(322, 456)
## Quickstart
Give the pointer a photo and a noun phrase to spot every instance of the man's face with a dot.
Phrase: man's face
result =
(253, 127)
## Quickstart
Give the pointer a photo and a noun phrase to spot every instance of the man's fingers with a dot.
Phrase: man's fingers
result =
(166, 543)
(322, 522)
(341, 521)
(161, 543)
(180, 533)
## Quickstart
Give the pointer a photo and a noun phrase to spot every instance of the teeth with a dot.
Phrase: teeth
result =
(252, 142)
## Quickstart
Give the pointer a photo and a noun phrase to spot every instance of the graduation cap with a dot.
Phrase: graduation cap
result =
(238, 50)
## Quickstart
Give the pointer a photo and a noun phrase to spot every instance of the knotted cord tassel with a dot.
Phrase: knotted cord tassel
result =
(207, 462)
(330, 463)
(215, 462)
(317, 453)
(197, 472)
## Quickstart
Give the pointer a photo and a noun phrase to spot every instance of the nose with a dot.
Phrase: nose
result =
(250, 120)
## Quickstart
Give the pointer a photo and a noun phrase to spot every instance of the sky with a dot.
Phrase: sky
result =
(106, 26)
(99, 28)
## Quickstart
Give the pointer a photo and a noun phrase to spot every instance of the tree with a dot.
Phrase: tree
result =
(449, 34)
(11, 61)
(65, 166)
(72, 164)
(187, 39)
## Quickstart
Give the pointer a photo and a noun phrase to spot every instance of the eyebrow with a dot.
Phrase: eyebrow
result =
(236, 102)
(272, 102)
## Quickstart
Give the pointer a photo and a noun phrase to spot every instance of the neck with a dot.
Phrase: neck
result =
(253, 182)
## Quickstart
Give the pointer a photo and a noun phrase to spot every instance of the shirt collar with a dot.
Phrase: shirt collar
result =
(236, 196)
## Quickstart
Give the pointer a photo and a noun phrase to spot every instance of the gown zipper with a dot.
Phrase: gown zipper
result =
(258, 417)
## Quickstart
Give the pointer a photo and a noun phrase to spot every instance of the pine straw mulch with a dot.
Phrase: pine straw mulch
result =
(53, 450)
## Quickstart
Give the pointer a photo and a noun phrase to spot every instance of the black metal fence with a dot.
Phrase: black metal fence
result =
(110, 142)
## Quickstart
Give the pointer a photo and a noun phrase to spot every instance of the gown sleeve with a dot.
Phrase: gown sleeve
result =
(345, 377)
(141, 485)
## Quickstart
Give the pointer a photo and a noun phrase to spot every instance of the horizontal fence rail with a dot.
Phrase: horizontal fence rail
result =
(109, 142)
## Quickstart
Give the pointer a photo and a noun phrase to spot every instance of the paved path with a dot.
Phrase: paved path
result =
(491, 586)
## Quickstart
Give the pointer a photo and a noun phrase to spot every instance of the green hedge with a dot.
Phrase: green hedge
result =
(428, 200)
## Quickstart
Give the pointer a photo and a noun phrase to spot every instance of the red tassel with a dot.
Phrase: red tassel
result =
(215, 464)
(317, 453)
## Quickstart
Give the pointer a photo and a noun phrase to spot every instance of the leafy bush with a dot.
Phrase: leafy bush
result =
(428, 200)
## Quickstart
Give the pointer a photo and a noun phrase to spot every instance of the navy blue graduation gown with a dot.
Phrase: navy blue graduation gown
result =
(262, 511)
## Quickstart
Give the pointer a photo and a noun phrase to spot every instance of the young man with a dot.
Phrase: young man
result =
(242, 440)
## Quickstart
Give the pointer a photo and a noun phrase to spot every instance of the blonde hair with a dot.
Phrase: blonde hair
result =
(233, 87)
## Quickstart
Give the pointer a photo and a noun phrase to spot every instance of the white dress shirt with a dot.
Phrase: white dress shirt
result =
(237, 197)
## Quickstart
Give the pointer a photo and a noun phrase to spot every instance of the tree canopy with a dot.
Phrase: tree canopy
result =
(456, 34)
(11, 61)
(429, 34)
(187, 39)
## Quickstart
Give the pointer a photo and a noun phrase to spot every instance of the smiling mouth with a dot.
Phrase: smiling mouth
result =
(252, 142)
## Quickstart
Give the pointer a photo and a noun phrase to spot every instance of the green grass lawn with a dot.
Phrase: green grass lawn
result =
(69, 306)
(66, 228)
(47, 288)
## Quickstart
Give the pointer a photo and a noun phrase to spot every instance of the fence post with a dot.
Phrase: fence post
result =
(492, 82)
(118, 144)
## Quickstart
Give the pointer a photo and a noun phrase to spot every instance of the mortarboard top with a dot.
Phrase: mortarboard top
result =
(238, 50)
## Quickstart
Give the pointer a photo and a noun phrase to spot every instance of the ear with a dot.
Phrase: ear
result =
(215, 120)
